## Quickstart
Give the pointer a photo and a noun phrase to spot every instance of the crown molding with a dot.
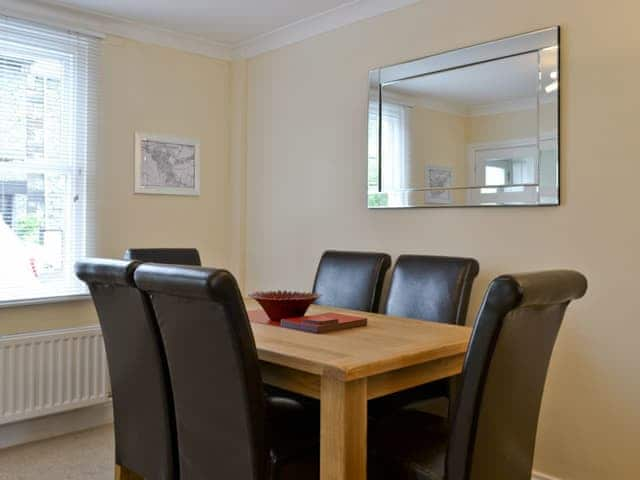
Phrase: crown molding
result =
(517, 105)
(438, 105)
(337, 17)
(429, 103)
(98, 24)
(506, 106)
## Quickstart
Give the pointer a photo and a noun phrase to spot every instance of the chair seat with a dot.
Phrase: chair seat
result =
(409, 445)
(307, 402)
(388, 404)
(294, 440)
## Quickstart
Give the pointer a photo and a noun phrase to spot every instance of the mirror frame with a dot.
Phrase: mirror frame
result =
(453, 59)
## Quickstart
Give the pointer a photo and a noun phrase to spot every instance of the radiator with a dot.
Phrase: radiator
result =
(50, 372)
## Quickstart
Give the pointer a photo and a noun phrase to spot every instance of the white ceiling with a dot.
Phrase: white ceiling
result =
(217, 28)
(225, 21)
(508, 80)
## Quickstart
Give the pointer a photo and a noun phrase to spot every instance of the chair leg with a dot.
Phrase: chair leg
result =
(123, 473)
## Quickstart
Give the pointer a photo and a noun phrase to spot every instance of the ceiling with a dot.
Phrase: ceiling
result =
(221, 29)
(507, 80)
(223, 21)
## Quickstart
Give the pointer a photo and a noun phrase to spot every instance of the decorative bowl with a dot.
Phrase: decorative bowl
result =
(283, 304)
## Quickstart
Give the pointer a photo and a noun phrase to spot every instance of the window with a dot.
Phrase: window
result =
(395, 154)
(507, 172)
(47, 132)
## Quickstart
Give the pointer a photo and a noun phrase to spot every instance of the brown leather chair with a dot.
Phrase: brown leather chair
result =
(176, 256)
(142, 399)
(345, 279)
(433, 288)
(492, 432)
(351, 280)
(226, 427)
(191, 256)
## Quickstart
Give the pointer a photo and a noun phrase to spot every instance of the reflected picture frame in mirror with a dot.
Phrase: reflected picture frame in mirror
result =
(476, 126)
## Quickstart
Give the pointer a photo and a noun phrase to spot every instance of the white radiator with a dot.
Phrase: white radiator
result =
(53, 371)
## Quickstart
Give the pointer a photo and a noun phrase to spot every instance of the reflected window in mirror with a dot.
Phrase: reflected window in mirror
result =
(395, 124)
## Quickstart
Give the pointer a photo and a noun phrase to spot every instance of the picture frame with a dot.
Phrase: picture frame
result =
(166, 165)
(438, 176)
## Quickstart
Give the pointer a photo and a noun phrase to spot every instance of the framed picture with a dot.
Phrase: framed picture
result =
(438, 177)
(166, 165)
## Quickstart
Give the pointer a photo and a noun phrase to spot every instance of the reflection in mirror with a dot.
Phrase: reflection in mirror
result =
(480, 133)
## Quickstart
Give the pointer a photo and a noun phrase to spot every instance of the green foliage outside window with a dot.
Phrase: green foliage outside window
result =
(378, 200)
(28, 228)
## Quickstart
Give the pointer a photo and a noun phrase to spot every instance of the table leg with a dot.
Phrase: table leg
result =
(343, 432)
(123, 473)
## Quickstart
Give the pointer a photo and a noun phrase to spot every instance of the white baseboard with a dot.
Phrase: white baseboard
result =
(542, 476)
(50, 426)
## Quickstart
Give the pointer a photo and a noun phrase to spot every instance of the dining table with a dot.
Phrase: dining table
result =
(344, 369)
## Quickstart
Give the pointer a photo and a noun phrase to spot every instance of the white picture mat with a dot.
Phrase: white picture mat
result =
(445, 177)
(139, 186)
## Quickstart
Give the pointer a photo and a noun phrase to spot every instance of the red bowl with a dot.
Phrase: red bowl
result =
(282, 304)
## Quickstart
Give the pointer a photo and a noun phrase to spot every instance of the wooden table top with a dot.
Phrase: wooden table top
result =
(385, 344)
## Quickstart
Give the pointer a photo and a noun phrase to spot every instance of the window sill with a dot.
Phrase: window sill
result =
(44, 300)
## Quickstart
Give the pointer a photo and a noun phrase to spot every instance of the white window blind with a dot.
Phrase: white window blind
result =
(47, 153)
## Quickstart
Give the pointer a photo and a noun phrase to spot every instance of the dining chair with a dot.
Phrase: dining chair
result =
(491, 435)
(177, 256)
(427, 287)
(351, 280)
(190, 256)
(142, 401)
(226, 426)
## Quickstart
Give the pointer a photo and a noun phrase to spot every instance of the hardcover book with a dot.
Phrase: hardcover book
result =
(325, 322)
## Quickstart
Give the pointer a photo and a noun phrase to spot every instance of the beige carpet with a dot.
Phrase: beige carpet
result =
(85, 455)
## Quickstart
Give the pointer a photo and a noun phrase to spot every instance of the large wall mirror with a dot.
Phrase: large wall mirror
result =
(471, 127)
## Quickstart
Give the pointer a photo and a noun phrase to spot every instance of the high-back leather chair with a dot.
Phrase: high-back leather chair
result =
(177, 256)
(493, 428)
(142, 400)
(222, 414)
(351, 280)
(432, 288)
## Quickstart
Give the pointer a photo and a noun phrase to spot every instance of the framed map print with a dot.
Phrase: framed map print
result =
(436, 176)
(166, 165)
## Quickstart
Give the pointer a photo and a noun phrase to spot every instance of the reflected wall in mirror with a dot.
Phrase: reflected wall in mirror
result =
(471, 127)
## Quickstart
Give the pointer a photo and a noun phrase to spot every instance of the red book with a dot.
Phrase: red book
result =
(326, 322)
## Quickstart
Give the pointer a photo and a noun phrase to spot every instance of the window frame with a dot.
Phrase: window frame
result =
(80, 122)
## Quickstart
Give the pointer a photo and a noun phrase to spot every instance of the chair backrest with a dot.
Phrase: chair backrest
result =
(176, 256)
(351, 279)
(142, 399)
(494, 423)
(432, 288)
(214, 370)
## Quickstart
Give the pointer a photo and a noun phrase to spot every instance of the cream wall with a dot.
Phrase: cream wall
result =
(438, 139)
(155, 90)
(442, 138)
(512, 125)
(238, 169)
(306, 190)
